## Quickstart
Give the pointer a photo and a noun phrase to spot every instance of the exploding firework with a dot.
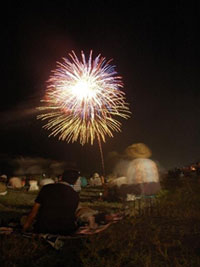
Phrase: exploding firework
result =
(83, 99)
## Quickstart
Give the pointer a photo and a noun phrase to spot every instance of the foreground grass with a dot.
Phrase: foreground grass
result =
(168, 235)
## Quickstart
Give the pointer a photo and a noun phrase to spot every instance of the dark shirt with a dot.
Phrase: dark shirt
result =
(57, 211)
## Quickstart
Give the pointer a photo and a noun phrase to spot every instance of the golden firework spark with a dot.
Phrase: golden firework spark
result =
(82, 100)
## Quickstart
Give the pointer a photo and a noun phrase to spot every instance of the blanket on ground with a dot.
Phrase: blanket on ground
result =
(57, 241)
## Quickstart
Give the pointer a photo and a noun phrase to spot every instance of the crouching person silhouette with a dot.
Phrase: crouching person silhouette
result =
(55, 207)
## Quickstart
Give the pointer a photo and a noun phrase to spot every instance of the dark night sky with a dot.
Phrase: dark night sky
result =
(155, 50)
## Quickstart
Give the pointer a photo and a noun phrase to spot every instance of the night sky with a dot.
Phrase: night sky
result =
(155, 50)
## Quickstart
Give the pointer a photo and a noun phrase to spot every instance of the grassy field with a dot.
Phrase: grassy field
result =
(165, 232)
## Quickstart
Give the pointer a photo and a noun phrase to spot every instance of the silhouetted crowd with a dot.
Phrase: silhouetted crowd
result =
(192, 170)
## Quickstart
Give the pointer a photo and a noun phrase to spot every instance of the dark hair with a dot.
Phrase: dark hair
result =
(70, 176)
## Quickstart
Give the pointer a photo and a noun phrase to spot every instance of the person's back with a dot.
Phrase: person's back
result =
(142, 171)
(46, 181)
(58, 205)
(55, 206)
(144, 176)
(15, 182)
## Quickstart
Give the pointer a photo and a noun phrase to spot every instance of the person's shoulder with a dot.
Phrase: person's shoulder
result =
(47, 187)
(64, 186)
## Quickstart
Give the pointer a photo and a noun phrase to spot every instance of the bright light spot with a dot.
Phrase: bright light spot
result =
(84, 89)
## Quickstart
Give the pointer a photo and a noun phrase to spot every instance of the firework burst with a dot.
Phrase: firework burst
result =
(83, 99)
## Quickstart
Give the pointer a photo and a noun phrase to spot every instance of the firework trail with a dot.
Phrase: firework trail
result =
(82, 99)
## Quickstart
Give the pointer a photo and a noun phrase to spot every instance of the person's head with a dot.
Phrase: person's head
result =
(70, 176)
(138, 150)
(95, 175)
